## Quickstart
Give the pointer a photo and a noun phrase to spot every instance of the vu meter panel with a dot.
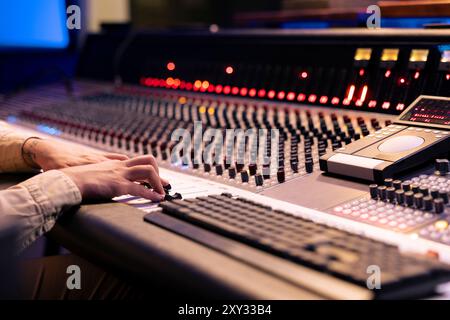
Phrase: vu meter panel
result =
(364, 74)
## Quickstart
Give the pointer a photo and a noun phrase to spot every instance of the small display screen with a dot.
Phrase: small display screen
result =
(429, 111)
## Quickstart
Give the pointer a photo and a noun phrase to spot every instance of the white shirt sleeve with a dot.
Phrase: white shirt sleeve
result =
(36, 203)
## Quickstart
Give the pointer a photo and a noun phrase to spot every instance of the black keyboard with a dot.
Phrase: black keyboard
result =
(329, 250)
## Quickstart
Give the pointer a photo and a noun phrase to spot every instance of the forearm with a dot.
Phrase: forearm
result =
(36, 203)
(11, 151)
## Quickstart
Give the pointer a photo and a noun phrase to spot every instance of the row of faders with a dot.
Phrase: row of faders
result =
(403, 205)
(142, 123)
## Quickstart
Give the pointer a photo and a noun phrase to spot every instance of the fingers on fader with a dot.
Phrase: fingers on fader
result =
(146, 173)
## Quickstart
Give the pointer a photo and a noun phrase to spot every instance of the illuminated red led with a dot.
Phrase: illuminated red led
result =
(271, 94)
(400, 106)
(229, 70)
(402, 80)
(447, 76)
(304, 75)
(323, 99)
(182, 85)
(387, 74)
(226, 90)
(372, 104)
(148, 82)
(235, 90)
(301, 97)
(162, 83)
(281, 95)
(312, 98)
(252, 92)
(219, 89)
(261, 93)
(358, 103)
(335, 101)
(290, 96)
(243, 92)
(211, 88)
(188, 86)
(361, 72)
(346, 102)
(170, 66)
(386, 105)
(416, 75)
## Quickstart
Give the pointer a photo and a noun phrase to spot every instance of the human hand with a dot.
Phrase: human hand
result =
(48, 155)
(109, 179)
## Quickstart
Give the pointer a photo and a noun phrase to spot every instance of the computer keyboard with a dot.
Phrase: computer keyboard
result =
(326, 249)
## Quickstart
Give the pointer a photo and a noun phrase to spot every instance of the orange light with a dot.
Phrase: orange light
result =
(385, 105)
(261, 93)
(271, 94)
(169, 81)
(363, 94)
(197, 84)
(351, 92)
(301, 97)
(281, 95)
(243, 92)
(235, 90)
(372, 104)
(170, 66)
(205, 85)
(335, 100)
(323, 99)
(312, 98)
(304, 75)
(417, 75)
(252, 92)
(229, 70)
(290, 96)
(387, 74)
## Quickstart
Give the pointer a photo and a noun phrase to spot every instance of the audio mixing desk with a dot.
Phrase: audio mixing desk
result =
(279, 229)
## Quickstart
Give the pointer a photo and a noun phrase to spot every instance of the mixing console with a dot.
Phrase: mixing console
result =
(312, 97)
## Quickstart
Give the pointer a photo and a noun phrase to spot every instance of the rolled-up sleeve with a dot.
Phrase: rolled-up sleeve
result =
(11, 143)
(36, 203)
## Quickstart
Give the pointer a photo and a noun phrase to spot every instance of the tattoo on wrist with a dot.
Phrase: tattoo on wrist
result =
(29, 151)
